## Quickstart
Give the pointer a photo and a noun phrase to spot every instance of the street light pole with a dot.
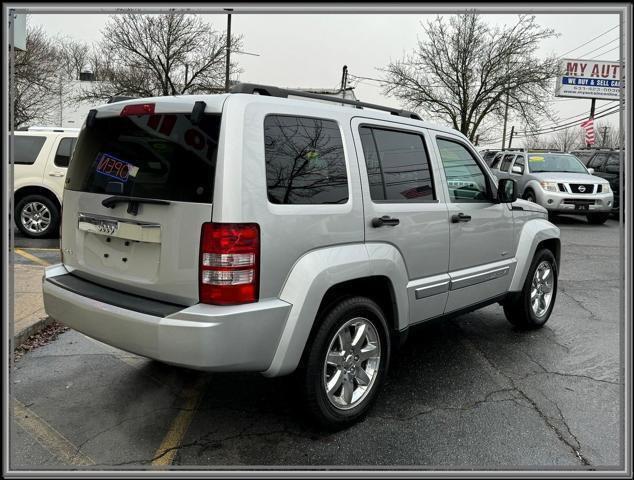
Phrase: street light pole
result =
(228, 49)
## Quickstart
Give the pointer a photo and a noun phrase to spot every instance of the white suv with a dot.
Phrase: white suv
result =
(41, 157)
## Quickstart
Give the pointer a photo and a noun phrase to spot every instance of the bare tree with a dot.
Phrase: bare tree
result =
(607, 135)
(74, 56)
(567, 139)
(465, 70)
(36, 79)
(148, 55)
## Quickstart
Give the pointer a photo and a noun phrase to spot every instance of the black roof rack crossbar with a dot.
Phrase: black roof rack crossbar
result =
(252, 88)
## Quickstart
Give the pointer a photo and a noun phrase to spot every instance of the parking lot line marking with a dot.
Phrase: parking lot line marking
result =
(173, 439)
(53, 441)
(31, 257)
(42, 249)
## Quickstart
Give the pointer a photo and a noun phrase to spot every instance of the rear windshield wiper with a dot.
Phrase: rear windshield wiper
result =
(133, 202)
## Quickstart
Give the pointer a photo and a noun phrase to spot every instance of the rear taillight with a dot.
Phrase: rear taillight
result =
(229, 263)
(138, 109)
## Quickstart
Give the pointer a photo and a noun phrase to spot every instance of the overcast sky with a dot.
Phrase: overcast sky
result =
(309, 50)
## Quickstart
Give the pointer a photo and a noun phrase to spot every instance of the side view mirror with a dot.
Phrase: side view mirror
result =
(517, 169)
(507, 190)
(591, 171)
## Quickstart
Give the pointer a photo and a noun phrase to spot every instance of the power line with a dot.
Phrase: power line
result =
(611, 109)
(599, 48)
(591, 40)
(528, 134)
(607, 51)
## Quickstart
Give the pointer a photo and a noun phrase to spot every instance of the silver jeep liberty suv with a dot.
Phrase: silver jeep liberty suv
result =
(244, 232)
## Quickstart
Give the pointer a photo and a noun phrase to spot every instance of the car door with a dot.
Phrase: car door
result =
(405, 206)
(481, 260)
(518, 171)
(57, 164)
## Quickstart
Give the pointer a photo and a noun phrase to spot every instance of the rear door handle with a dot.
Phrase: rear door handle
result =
(385, 220)
(461, 217)
(56, 174)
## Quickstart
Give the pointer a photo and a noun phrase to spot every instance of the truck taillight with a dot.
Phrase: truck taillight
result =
(229, 263)
(138, 109)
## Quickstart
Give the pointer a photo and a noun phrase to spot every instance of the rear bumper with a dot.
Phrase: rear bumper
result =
(204, 337)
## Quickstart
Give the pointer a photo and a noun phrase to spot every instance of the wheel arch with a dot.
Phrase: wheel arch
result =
(535, 233)
(322, 277)
(22, 192)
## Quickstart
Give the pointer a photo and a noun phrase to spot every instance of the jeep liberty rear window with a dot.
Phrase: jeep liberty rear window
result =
(147, 156)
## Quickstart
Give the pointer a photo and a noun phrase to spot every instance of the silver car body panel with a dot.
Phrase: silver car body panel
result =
(434, 266)
(204, 337)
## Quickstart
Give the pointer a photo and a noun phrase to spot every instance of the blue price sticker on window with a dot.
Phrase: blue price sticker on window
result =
(111, 166)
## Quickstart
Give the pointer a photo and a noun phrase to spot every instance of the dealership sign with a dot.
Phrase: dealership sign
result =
(589, 79)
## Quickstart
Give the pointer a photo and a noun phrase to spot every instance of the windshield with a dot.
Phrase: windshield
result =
(555, 162)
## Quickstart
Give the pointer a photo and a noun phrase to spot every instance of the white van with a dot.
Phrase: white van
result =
(41, 157)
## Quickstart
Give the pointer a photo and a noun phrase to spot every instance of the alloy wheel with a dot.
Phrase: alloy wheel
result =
(352, 363)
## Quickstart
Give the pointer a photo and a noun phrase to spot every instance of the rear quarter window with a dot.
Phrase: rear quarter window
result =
(305, 162)
(27, 148)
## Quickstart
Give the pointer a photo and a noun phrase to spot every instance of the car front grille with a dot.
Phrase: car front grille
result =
(582, 188)
(578, 201)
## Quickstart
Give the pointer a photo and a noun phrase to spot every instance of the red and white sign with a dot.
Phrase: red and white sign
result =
(589, 79)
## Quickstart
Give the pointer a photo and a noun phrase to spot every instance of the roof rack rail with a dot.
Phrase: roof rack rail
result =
(53, 129)
(252, 88)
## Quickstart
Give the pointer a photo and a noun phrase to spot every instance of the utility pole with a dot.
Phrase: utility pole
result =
(61, 101)
(605, 132)
(506, 116)
(344, 78)
(511, 136)
(228, 48)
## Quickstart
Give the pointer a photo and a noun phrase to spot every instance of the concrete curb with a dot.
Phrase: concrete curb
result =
(20, 337)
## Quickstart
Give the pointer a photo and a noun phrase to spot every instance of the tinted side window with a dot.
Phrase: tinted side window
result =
(304, 159)
(27, 149)
(598, 160)
(519, 162)
(613, 160)
(506, 163)
(496, 161)
(465, 179)
(64, 151)
(398, 165)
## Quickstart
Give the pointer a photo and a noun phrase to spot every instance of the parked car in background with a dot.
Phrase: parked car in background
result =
(265, 233)
(488, 155)
(41, 157)
(558, 182)
(604, 163)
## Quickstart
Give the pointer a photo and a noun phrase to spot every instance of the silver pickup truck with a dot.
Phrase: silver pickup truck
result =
(266, 233)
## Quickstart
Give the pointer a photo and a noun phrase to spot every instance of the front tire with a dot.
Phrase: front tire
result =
(531, 309)
(598, 218)
(530, 196)
(346, 362)
(36, 216)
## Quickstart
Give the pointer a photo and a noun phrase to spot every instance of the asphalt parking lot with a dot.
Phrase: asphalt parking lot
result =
(470, 393)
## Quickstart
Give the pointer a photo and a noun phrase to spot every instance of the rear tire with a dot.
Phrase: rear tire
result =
(354, 371)
(531, 309)
(37, 216)
(597, 218)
